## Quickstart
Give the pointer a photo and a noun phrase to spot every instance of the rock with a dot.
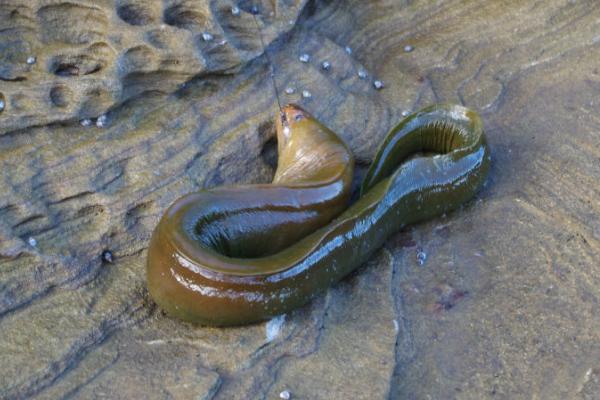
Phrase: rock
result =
(506, 302)
(74, 60)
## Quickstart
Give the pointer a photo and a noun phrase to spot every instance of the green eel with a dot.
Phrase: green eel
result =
(241, 254)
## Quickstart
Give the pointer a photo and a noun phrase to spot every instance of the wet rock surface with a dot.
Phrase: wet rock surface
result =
(61, 61)
(497, 300)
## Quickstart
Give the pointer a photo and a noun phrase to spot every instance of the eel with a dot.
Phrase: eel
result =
(242, 254)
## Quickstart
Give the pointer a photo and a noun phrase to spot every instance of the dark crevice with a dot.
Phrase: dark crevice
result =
(269, 153)
(66, 70)
(27, 220)
(134, 14)
(75, 68)
(72, 197)
(185, 15)
(16, 79)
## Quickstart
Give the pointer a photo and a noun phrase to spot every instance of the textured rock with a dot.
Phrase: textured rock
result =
(61, 61)
(505, 303)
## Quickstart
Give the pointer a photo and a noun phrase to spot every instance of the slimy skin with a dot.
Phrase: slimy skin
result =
(238, 255)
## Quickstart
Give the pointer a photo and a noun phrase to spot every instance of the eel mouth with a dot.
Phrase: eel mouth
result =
(293, 113)
(290, 115)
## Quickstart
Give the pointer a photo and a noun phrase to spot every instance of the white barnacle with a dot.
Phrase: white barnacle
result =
(304, 58)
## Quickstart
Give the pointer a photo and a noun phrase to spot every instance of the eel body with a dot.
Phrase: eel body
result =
(242, 254)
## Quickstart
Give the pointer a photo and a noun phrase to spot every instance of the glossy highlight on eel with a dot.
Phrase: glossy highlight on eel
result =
(241, 254)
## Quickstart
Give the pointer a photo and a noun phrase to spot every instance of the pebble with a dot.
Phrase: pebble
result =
(285, 395)
(378, 85)
(85, 122)
(362, 74)
(408, 48)
(32, 242)
(290, 90)
(304, 58)
(101, 121)
(31, 60)
(306, 94)
(207, 37)
(235, 10)
(326, 65)
(2, 105)
(348, 50)
(405, 113)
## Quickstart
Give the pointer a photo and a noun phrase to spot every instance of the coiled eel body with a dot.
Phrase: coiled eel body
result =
(238, 255)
